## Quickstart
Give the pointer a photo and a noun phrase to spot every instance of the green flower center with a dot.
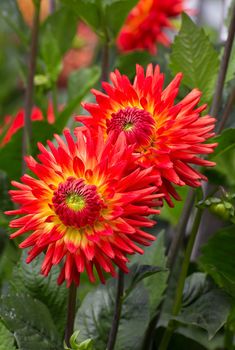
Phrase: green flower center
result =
(75, 202)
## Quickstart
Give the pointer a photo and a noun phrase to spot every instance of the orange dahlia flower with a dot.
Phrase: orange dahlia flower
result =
(86, 208)
(144, 27)
(168, 136)
(13, 124)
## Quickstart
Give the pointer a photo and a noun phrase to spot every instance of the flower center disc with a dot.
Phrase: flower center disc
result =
(76, 203)
(136, 123)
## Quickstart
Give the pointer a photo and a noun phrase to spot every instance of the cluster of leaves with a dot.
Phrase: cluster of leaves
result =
(33, 308)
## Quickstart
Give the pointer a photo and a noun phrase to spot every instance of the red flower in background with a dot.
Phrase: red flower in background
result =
(13, 124)
(145, 25)
(86, 208)
(166, 135)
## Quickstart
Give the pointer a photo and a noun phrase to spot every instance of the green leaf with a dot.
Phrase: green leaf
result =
(156, 284)
(194, 56)
(106, 17)
(62, 24)
(27, 278)
(204, 305)
(30, 321)
(140, 272)
(6, 338)
(80, 82)
(51, 55)
(217, 258)
(95, 315)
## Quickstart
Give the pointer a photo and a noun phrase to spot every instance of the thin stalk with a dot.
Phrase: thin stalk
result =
(54, 100)
(117, 311)
(105, 61)
(52, 6)
(71, 313)
(30, 84)
(181, 228)
(180, 286)
(223, 68)
(227, 111)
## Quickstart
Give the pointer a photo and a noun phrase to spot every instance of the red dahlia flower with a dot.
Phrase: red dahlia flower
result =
(86, 208)
(13, 124)
(167, 136)
(145, 25)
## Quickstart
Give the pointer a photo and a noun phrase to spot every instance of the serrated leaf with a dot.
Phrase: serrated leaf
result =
(6, 339)
(80, 82)
(96, 312)
(30, 321)
(27, 278)
(217, 258)
(194, 56)
(205, 305)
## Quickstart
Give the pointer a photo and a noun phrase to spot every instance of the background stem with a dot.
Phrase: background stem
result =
(117, 311)
(30, 85)
(105, 61)
(223, 68)
(71, 313)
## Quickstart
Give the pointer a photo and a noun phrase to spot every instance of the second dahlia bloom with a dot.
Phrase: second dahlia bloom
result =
(168, 136)
(145, 25)
(86, 208)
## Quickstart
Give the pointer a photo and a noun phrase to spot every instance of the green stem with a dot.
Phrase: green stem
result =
(54, 100)
(71, 313)
(117, 311)
(105, 61)
(30, 85)
(183, 274)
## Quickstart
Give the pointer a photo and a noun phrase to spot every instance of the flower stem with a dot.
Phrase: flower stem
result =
(181, 227)
(54, 94)
(117, 311)
(70, 313)
(30, 84)
(105, 61)
(223, 67)
(180, 287)
(227, 110)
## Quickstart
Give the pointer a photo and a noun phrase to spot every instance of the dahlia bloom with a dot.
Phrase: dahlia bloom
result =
(167, 136)
(86, 208)
(13, 124)
(144, 27)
